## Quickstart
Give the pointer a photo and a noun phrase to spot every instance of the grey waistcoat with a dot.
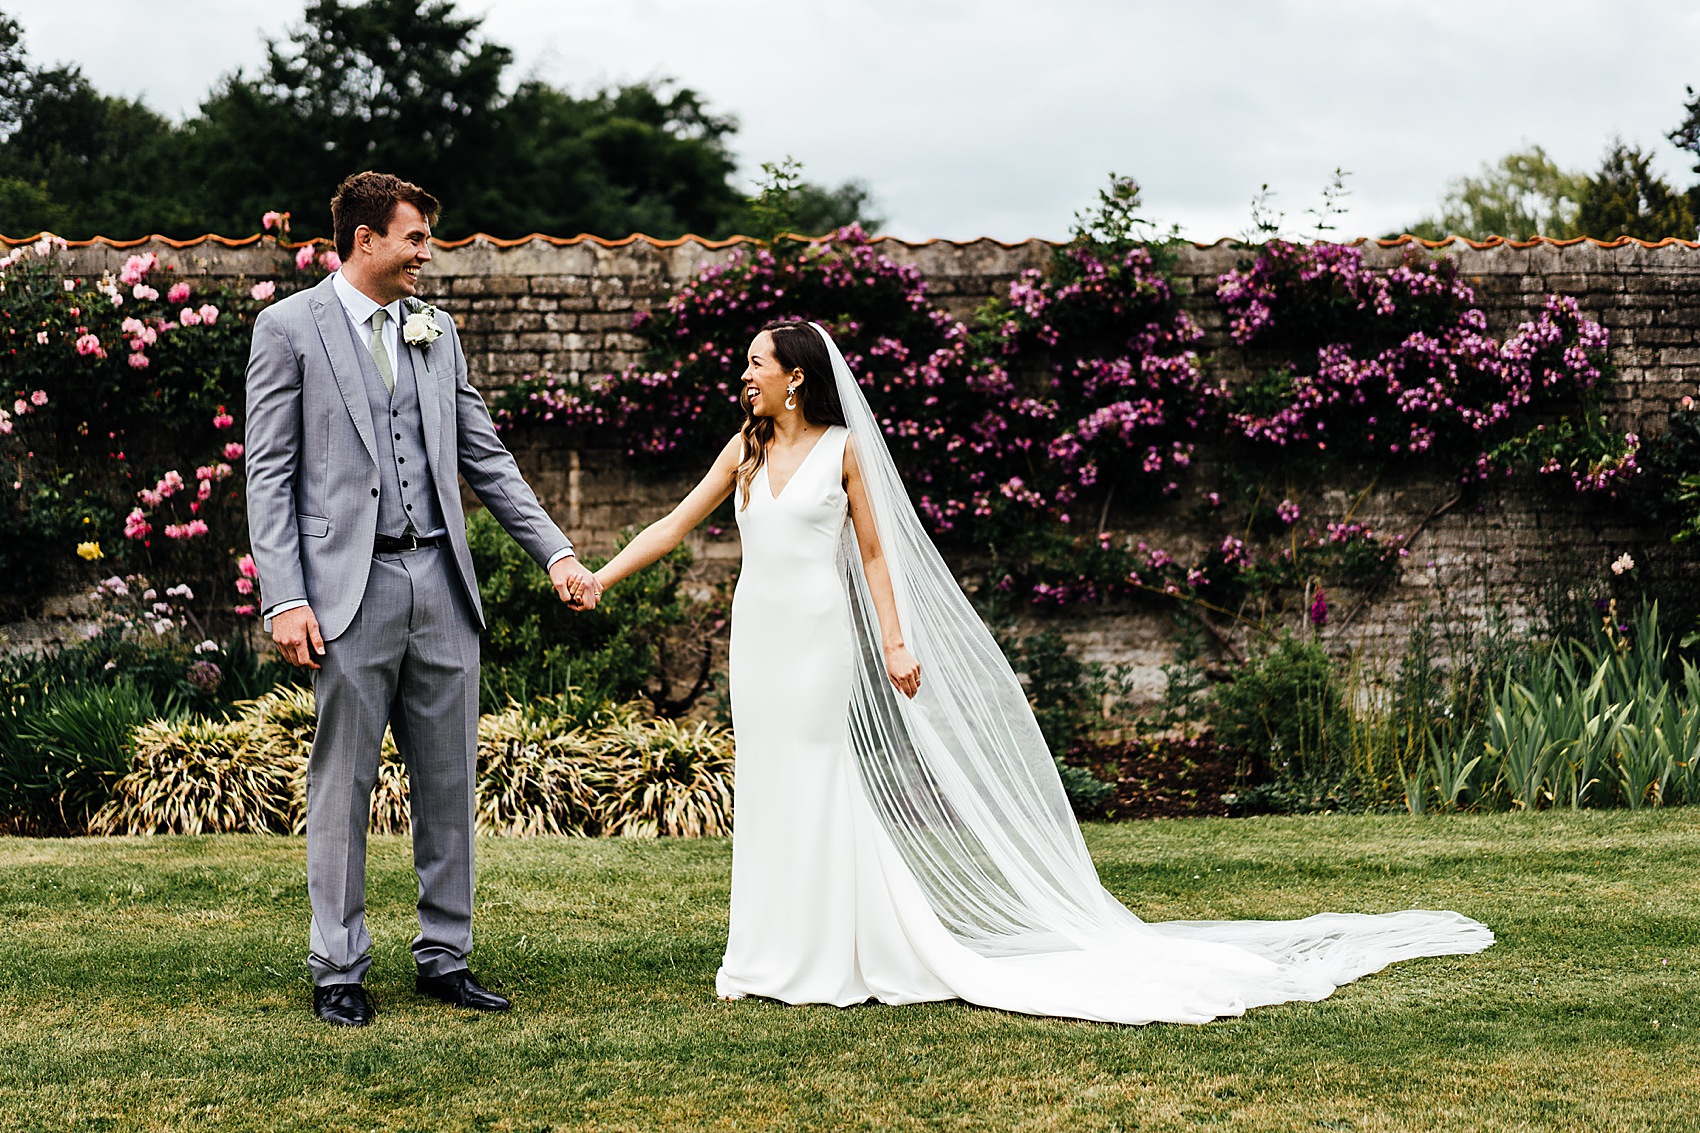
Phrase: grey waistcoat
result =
(407, 494)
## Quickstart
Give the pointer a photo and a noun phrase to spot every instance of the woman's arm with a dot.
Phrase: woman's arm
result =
(900, 664)
(667, 532)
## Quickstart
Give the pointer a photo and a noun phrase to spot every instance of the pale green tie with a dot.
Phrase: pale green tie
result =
(380, 355)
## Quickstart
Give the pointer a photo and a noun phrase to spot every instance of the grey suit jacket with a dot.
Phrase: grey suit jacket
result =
(312, 460)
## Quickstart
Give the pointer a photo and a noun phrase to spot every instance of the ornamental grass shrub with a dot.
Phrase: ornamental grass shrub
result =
(204, 777)
(670, 779)
(61, 757)
(540, 770)
(559, 765)
(67, 715)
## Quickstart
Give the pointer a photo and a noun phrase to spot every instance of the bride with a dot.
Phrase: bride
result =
(900, 831)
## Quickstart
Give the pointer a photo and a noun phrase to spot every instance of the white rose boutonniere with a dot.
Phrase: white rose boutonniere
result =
(420, 328)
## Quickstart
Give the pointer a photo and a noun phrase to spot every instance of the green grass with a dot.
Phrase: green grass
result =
(160, 985)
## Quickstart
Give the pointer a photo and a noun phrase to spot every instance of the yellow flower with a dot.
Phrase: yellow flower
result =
(89, 551)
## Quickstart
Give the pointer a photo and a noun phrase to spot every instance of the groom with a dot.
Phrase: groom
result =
(360, 417)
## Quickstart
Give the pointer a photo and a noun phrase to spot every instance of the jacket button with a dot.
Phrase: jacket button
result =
(374, 493)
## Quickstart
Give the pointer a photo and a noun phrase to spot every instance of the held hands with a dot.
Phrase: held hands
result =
(577, 587)
(297, 635)
(903, 669)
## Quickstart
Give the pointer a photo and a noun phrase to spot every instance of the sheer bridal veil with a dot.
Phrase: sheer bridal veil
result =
(962, 782)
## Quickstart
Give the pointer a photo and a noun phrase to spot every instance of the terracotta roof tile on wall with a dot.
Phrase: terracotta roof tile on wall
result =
(636, 237)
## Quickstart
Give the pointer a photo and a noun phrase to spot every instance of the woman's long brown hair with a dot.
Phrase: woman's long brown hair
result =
(796, 346)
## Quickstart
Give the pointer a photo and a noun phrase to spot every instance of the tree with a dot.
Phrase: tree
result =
(640, 158)
(14, 74)
(1626, 198)
(818, 210)
(74, 160)
(410, 89)
(785, 203)
(388, 84)
(406, 86)
(84, 164)
(1687, 137)
(1523, 195)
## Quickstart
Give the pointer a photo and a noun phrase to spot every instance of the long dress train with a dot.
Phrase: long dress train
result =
(870, 862)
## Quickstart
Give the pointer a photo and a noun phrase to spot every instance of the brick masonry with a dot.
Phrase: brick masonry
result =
(566, 308)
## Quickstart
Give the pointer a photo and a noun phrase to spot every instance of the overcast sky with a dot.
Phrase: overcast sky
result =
(1003, 117)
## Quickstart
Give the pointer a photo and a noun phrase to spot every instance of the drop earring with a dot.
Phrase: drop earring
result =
(790, 397)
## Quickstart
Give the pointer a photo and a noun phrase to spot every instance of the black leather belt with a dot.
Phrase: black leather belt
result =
(389, 544)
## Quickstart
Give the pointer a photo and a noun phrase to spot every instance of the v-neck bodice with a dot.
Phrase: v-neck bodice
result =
(796, 534)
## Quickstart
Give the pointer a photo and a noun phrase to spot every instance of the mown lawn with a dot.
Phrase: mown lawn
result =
(160, 984)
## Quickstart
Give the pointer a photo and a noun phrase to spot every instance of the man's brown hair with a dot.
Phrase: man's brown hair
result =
(370, 198)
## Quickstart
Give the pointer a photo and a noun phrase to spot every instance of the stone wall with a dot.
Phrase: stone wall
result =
(567, 306)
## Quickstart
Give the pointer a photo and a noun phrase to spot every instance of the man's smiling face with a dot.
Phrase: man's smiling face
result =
(396, 255)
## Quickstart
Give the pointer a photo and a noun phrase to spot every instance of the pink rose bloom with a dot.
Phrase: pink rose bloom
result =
(223, 420)
(196, 527)
(246, 566)
(263, 290)
(41, 337)
(222, 471)
(172, 480)
(39, 397)
(136, 525)
(209, 314)
(89, 344)
(205, 492)
(269, 219)
(131, 326)
(150, 497)
(138, 361)
(233, 451)
(179, 292)
(330, 261)
(204, 472)
(304, 257)
(143, 291)
(188, 317)
(175, 531)
(244, 586)
(243, 611)
(20, 407)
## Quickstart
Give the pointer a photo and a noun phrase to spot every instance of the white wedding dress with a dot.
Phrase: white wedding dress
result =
(908, 851)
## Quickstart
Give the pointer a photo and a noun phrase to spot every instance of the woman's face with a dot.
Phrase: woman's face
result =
(765, 380)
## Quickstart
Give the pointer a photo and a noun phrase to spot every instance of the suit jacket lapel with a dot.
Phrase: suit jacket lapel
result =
(425, 388)
(335, 333)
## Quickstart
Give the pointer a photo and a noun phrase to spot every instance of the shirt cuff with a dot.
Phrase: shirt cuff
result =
(293, 604)
(558, 556)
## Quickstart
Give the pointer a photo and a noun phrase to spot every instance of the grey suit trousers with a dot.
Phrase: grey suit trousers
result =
(409, 660)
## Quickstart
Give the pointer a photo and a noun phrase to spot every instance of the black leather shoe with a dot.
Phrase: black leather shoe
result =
(345, 1005)
(460, 989)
